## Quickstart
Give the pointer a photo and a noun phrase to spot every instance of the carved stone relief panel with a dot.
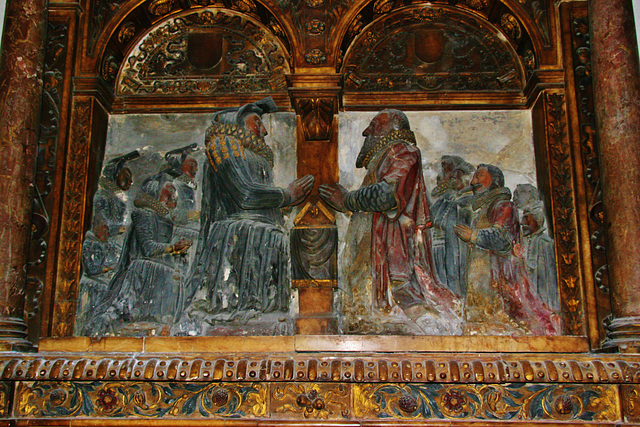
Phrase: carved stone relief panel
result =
(130, 288)
(460, 144)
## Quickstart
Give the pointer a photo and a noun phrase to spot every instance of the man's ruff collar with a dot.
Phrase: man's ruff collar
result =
(145, 201)
(490, 196)
(248, 139)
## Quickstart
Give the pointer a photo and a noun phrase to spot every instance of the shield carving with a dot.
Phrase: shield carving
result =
(204, 49)
(429, 44)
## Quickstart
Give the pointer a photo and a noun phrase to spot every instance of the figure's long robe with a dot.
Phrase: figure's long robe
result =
(499, 296)
(540, 258)
(389, 251)
(146, 284)
(401, 242)
(242, 254)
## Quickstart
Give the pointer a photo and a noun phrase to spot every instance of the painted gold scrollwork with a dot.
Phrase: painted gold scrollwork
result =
(486, 402)
(141, 400)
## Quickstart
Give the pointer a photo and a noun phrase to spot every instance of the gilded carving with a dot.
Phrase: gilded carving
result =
(314, 401)
(315, 57)
(565, 212)
(140, 399)
(430, 48)
(54, 67)
(631, 403)
(101, 12)
(486, 402)
(244, 6)
(160, 7)
(126, 33)
(110, 68)
(461, 370)
(589, 149)
(315, 27)
(241, 57)
(317, 117)
(72, 217)
(478, 4)
(381, 7)
(511, 26)
(5, 399)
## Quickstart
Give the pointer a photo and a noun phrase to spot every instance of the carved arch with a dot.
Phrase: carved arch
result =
(201, 52)
(432, 48)
(531, 37)
(133, 21)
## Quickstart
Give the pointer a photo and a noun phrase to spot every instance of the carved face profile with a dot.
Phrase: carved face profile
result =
(253, 123)
(481, 180)
(124, 179)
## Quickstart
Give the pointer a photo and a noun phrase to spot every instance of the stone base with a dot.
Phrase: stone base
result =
(623, 333)
(13, 334)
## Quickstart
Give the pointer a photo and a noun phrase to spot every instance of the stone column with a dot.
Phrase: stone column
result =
(616, 84)
(21, 65)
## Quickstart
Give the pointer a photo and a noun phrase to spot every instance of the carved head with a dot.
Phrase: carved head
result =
(532, 221)
(124, 179)
(189, 167)
(253, 123)
(385, 122)
(487, 177)
(168, 196)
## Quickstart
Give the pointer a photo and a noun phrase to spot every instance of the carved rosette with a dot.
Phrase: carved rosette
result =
(564, 213)
(432, 48)
(241, 56)
(72, 220)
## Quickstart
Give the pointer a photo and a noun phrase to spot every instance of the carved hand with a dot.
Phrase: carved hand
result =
(333, 195)
(181, 246)
(463, 232)
(299, 189)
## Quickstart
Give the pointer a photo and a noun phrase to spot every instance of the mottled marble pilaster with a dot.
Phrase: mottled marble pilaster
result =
(616, 84)
(21, 67)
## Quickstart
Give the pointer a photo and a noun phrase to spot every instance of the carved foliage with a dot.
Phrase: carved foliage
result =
(564, 207)
(487, 402)
(431, 48)
(140, 400)
(313, 401)
(102, 11)
(204, 52)
(72, 217)
(54, 68)
(317, 117)
(589, 147)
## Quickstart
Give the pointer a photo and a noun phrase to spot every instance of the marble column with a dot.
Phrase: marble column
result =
(616, 84)
(21, 66)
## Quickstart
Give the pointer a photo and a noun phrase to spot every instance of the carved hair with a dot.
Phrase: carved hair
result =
(497, 177)
(398, 118)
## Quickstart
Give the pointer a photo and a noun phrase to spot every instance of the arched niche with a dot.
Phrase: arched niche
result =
(432, 48)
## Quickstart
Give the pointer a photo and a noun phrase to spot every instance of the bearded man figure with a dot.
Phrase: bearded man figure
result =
(391, 282)
(241, 267)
